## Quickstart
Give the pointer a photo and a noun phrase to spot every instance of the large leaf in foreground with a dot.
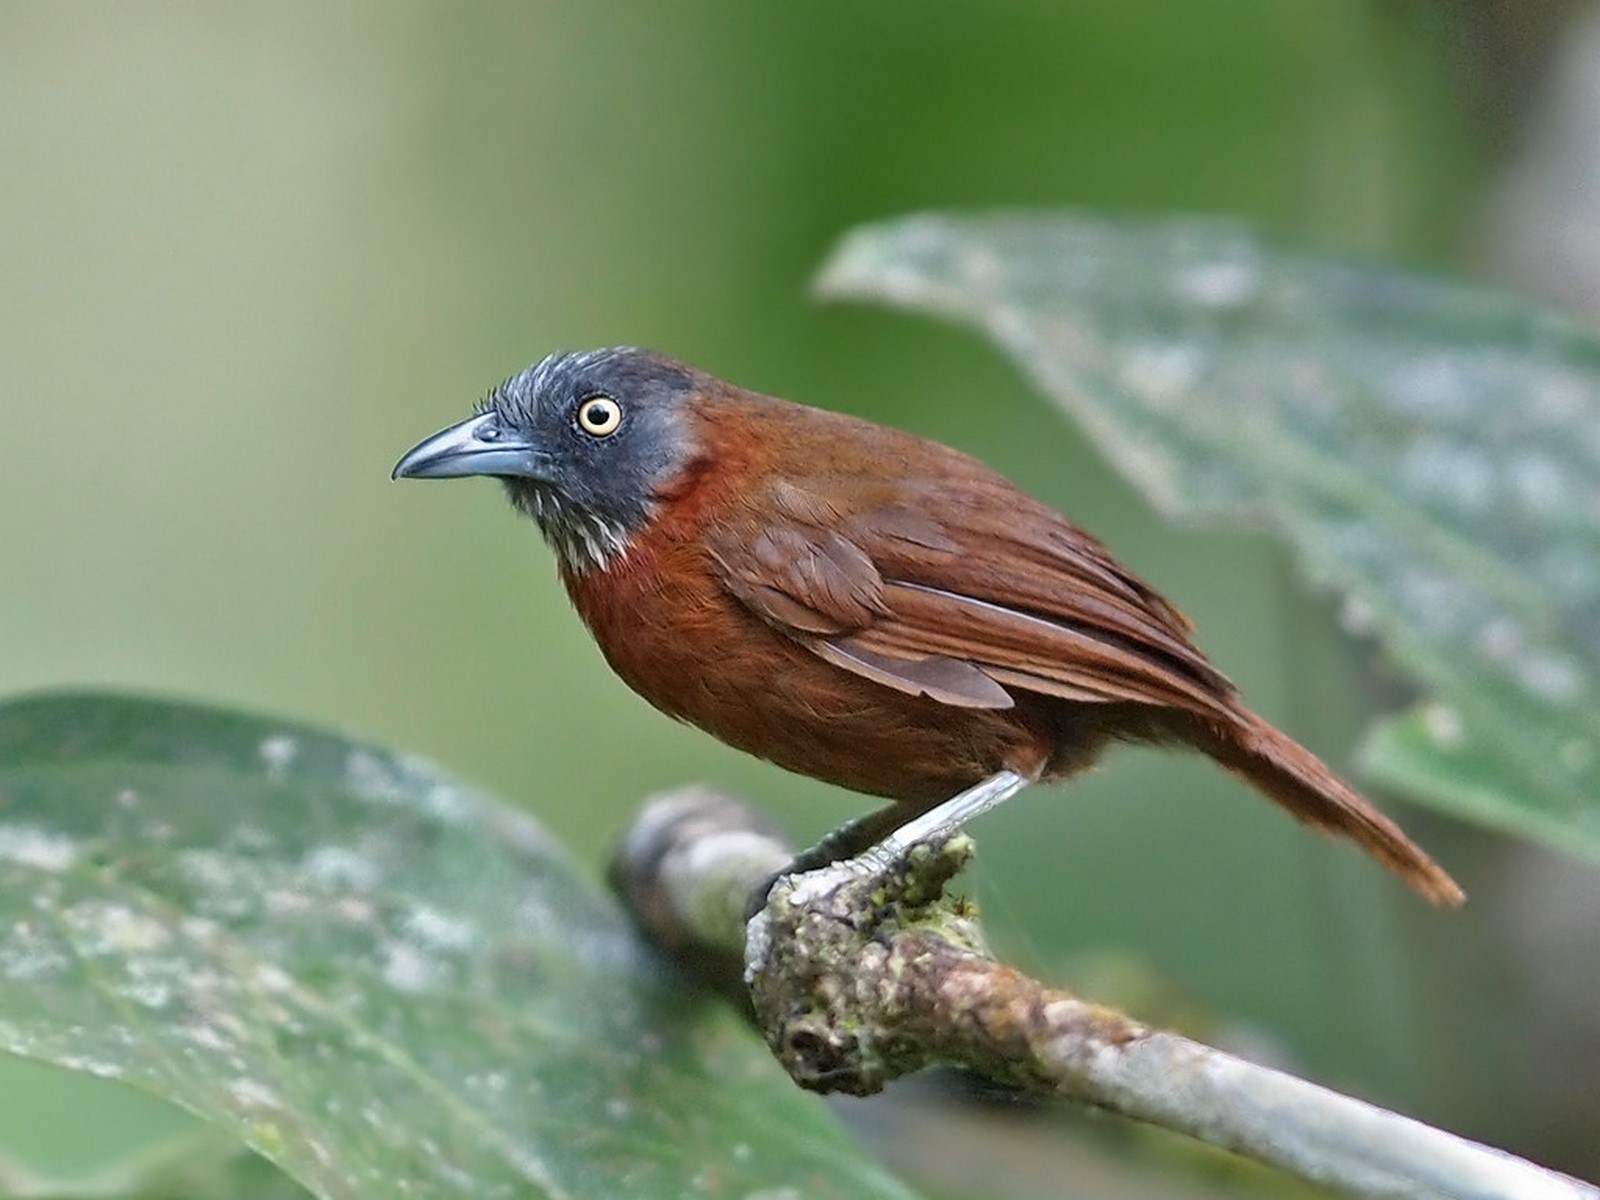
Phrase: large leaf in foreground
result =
(1431, 448)
(202, 1164)
(379, 980)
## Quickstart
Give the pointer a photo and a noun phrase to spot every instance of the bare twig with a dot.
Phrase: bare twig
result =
(856, 981)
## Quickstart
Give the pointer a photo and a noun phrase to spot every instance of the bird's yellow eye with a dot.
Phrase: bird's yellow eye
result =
(600, 416)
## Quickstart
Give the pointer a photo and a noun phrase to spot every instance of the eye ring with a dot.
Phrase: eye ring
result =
(599, 416)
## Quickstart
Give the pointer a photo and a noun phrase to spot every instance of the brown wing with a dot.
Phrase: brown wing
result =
(997, 595)
(820, 588)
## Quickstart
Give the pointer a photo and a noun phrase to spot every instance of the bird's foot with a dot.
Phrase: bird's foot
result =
(877, 844)
(944, 821)
(859, 894)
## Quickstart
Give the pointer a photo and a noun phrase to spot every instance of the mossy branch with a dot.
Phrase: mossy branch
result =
(855, 981)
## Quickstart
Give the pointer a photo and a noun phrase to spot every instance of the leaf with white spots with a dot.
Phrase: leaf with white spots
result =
(379, 980)
(1431, 449)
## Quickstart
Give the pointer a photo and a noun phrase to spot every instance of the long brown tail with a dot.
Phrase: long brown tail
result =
(1297, 779)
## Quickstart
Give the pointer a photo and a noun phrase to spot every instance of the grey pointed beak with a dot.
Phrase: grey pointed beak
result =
(480, 445)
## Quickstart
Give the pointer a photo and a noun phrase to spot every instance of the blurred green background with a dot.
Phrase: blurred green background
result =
(249, 256)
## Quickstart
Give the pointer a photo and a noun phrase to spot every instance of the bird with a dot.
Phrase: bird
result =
(862, 605)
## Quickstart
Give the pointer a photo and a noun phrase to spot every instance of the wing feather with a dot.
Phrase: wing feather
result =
(1014, 598)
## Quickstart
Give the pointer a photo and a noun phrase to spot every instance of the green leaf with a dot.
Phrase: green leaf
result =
(207, 1165)
(1430, 449)
(1426, 753)
(376, 978)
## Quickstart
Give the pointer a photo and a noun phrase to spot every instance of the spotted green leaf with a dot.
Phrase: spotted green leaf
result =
(376, 978)
(1430, 449)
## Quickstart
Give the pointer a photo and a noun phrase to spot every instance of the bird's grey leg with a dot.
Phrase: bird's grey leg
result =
(885, 840)
(849, 840)
(940, 821)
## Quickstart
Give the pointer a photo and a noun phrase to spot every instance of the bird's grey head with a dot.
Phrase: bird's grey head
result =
(583, 443)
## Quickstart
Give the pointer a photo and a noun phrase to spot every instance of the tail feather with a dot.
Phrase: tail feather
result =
(1298, 780)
